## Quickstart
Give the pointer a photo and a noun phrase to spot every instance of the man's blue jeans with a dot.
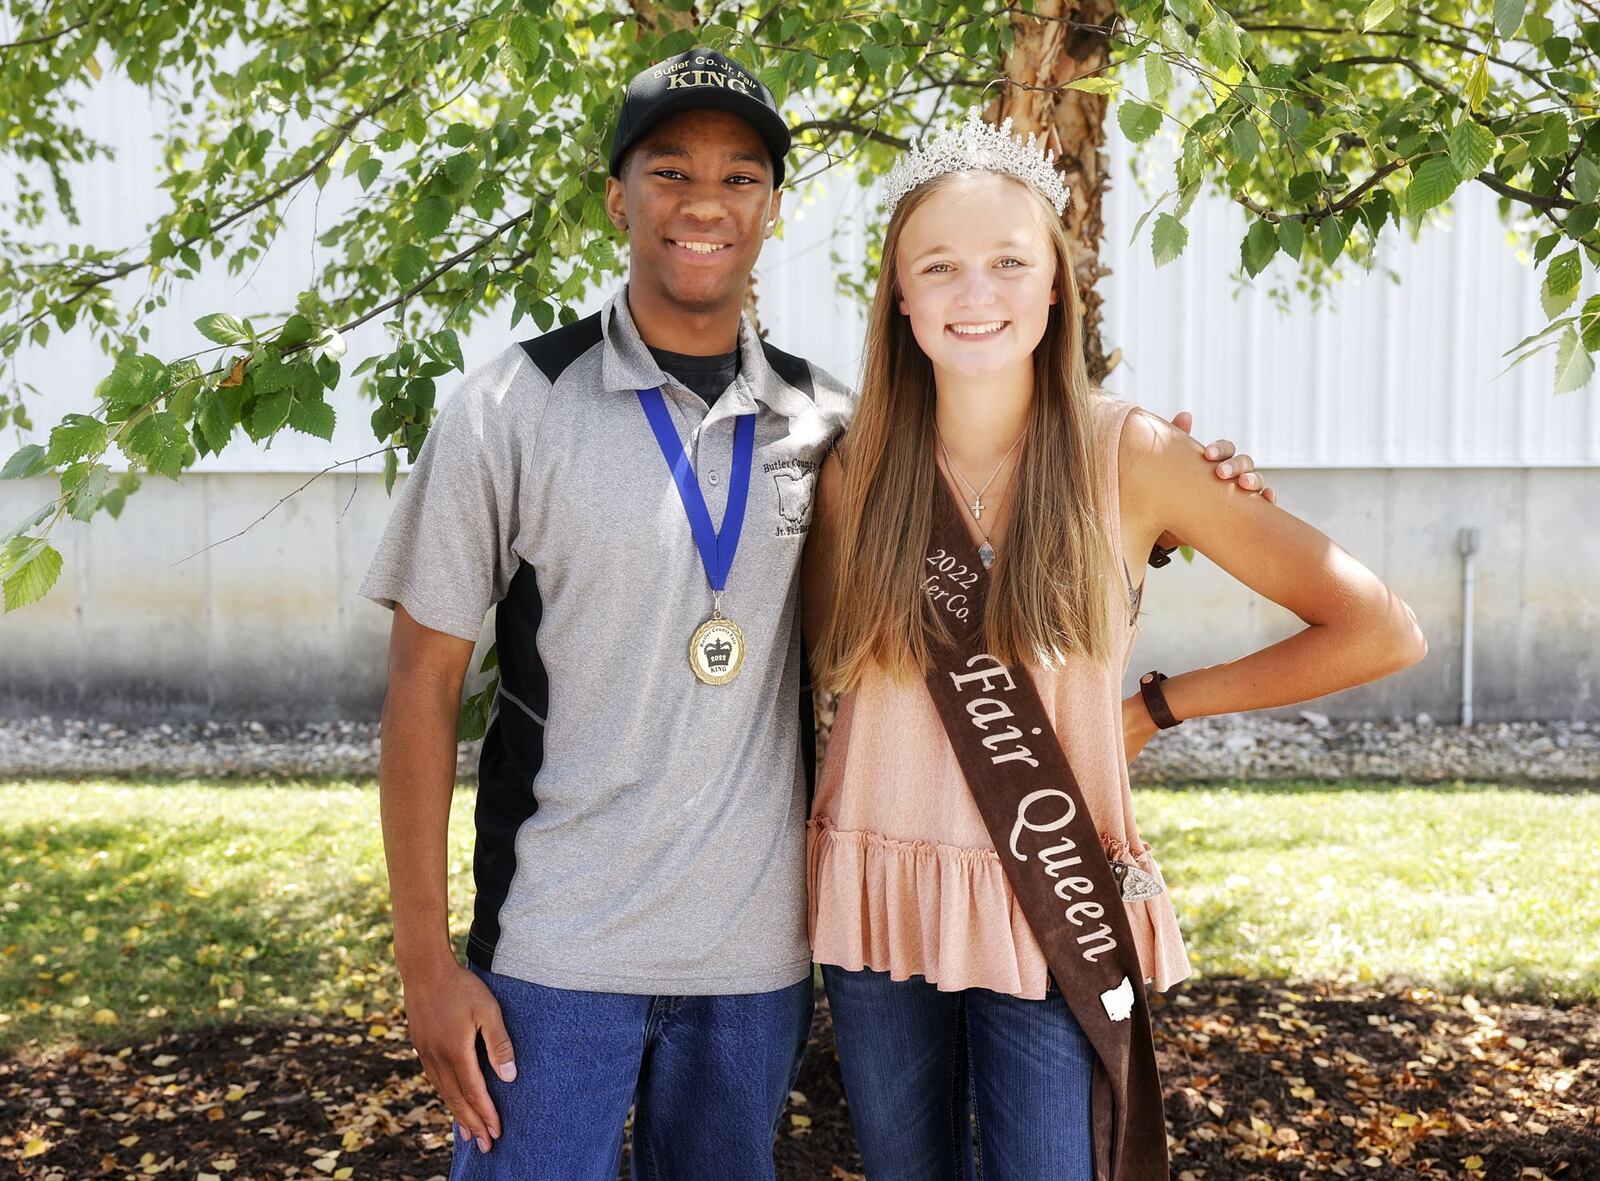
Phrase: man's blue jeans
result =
(708, 1077)
(921, 1067)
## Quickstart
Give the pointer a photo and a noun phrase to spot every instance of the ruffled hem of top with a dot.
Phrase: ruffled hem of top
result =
(948, 914)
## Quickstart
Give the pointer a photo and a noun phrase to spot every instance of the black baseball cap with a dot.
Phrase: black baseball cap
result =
(698, 78)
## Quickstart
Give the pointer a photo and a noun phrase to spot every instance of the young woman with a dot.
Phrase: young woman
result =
(942, 963)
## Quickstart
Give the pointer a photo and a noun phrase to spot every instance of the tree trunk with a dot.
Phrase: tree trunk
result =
(1066, 40)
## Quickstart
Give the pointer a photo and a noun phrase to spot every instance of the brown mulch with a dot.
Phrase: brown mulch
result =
(1262, 1082)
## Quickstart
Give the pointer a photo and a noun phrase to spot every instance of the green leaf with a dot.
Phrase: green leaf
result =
(1574, 365)
(1138, 226)
(473, 718)
(1586, 179)
(460, 170)
(77, 436)
(272, 375)
(449, 348)
(1589, 323)
(1471, 148)
(1330, 237)
(1139, 121)
(1377, 12)
(39, 515)
(432, 215)
(1556, 302)
(29, 461)
(312, 418)
(1157, 76)
(1095, 84)
(160, 442)
(1564, 273)
(127, 484)
(1552, 137)
(86, 497)
(409, 261)
(1175, 36)
(1168, 237)
(368, 172)
(1219, 44)
(134, 380)
(216, 418)
(1431, 184)
(1244, 139)
(391, 466)
(1260, 244)
(1292, 236)
(221, 328)
(1478, 83)
(296, 331)
(522, 34)
(271, 413)
(1508, 17)
(30, 567)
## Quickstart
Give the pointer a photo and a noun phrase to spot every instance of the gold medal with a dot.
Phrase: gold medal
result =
(716, 653)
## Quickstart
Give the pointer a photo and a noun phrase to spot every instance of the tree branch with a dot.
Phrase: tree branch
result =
(838, 125)
(1533, 200)
(1339, 206)
(90, 282)
(448, 264)
(43, 37)
(1382, 59)
(1445, 42)
(286, 496)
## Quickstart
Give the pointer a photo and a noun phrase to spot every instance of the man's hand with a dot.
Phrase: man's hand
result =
(446, 1008)
(1227, 465)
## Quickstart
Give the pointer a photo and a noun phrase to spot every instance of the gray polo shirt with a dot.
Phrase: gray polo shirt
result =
(637, 831)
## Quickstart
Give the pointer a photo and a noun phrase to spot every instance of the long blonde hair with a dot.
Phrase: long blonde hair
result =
(1047, 590)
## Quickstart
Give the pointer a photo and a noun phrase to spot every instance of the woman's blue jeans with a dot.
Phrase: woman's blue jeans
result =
(953, 1086)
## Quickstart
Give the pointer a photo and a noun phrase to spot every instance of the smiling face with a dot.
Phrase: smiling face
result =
(696, 201)
(976, 270)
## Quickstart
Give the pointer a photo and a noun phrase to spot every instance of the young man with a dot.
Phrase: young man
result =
(633, 492)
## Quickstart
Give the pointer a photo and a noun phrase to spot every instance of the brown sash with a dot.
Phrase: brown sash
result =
(1050, 846)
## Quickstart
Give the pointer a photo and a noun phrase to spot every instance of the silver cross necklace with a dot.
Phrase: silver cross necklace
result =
(986, 550)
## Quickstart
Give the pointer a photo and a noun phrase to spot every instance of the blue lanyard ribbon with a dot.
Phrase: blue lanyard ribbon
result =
(716, 548)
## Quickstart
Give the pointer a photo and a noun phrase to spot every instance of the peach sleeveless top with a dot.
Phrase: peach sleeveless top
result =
(902, 875)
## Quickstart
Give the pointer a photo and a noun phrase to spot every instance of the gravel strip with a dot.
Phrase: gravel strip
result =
(1251, 748)
(1313, 747)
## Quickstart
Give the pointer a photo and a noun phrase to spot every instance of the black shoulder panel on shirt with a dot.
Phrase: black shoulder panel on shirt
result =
(554, 351)
(794, 370)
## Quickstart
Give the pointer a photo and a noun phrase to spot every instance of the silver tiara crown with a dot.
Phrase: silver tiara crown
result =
(974, 145)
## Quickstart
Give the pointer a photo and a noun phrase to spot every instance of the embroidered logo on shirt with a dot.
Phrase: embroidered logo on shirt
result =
(796, 481)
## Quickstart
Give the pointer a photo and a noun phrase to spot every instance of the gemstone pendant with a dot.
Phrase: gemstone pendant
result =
(986, 555)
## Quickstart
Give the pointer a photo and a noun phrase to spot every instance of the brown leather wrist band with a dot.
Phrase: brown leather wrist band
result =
(1155, 701)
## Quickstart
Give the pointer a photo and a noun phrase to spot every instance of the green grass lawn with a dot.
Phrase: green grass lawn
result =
(130, 907)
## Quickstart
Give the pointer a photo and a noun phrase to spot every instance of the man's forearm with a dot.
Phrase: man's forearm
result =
(417, 767)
